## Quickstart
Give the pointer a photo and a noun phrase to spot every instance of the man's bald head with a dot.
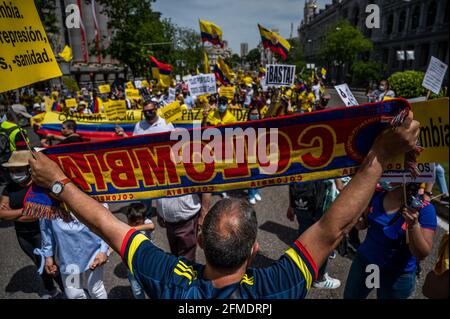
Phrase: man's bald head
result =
(228, 234)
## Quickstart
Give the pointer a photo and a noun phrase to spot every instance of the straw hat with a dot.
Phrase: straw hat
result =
(18, 159)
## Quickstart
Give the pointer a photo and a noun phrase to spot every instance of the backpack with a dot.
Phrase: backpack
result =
(5, 143)
(309, 198)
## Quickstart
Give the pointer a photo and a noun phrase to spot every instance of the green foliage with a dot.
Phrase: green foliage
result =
(70, 83)
(365, 72)
(295, 56)
(344, 44)
(234, 61)
(408, 84)
(253, 58)
(46, 10)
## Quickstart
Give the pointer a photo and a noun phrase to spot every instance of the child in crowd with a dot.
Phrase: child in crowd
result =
(137, 218)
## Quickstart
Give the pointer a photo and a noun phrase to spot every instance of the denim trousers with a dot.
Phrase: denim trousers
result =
(392, 285)
(137, 290)
(252, 192)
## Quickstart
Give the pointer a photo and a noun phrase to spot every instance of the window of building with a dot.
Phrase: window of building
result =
(424, 54)
(402, 21)
(355, 16)
(415, 19)
(442, 51)
(431, 13)
(390, 24)
(397, 63)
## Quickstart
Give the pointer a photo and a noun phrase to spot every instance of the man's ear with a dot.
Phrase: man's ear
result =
(255, 249)
(200, 240)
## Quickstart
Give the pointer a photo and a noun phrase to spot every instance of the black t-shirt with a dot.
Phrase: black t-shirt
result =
(16, 194)
(72, 139)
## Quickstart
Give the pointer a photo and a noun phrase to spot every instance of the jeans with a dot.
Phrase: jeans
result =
(440, 179)
(91, 280)
(252, 192)
(137, 290)
(304, 222)
(392, 285)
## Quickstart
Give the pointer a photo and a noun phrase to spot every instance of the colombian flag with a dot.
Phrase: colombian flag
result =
(161, 71)
(211, 33)
(274, 42)
(223, 72)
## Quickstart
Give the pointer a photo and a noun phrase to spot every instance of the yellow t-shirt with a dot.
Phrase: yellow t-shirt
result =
(308, 101)
(215, 119)
(442, 263)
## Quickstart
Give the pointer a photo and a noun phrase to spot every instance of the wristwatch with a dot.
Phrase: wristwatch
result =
(58, 186)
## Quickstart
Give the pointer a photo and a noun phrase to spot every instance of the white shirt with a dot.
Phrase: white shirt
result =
(177, 209)
(143, 127)
(316, 90)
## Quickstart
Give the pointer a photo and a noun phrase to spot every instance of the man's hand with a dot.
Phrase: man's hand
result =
(290, 214)
(44, 171)
(50, 266)
(99, 260)
(397, 141)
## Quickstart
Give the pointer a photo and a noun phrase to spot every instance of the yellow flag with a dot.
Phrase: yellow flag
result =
(207, 69)
(66, 54)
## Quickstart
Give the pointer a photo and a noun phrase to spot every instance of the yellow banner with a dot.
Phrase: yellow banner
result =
(171, 112)
(115, 109)
(227, 91)
(132, 94)
(71, 103)
(434, 130)
(104, 88)
(25, 53)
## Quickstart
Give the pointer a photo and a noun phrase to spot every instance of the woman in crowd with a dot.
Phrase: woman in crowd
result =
(253, 193)
(396, 238)
(27, 228)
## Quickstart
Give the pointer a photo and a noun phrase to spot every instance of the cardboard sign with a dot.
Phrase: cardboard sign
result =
(171, 112)
(280, 75)
(132, 94)
(26, 56)
(71, 103)
(426, 175)
(435, 75)
(103, 89)
(227, 91)
(346, 95)
(202, 84)
(115, 109)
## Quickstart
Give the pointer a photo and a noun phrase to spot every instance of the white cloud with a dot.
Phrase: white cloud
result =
(237, 18)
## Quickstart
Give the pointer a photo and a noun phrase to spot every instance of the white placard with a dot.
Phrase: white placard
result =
(178, 78)
(172, 93)
(138, 84)
(435, 75)
(263, 84)
(202, 84)
(280, 75)
(426, 175)
(346, 95)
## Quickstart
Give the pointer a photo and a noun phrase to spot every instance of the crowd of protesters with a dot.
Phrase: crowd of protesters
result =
(397, 238)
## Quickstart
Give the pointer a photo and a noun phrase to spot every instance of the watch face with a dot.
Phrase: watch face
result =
(57, 188)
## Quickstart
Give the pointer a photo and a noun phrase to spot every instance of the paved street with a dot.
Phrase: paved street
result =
(18, 278)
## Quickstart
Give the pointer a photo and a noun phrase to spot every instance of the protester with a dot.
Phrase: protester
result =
(27, 228)
(396, 238)
(442, 184)
(436, 283)
(137, 218)
(253, 193)
(383, 92)
(68, 135)
(228, 235)
(222, 115)
(309, 201)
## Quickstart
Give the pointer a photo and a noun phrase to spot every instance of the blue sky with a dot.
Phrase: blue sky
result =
(237, 18)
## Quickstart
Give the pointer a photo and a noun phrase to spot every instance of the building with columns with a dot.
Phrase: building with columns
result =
(420, 26)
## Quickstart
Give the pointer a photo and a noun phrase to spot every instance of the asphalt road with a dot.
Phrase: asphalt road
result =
(18, 277)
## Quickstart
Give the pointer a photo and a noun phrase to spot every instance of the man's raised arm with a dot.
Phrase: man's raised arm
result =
(94, 215)
(321, 238)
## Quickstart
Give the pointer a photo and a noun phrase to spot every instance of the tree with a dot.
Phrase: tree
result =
(366, 72)
(344, 44)
(295, 55)
(46, 10)
(253, 58)
(233, 61)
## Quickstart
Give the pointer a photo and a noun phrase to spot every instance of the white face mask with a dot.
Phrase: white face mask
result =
(382, 88)
(20, 176)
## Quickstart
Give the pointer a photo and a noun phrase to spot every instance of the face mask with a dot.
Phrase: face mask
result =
(19, 177)
(150, 115)
(382, 88)
(254, 117)
(222, 108)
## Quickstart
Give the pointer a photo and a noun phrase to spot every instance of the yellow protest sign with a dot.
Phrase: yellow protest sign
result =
(103, 89)
(130, 85)
(25, 53)
(227, 91)
(132, 94)
(115, 109)
(71, 103)
(171, 112)
(434, 129)
(145, 84)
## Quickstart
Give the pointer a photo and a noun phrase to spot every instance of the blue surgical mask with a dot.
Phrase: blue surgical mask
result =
(222, 108)
(254, 117)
